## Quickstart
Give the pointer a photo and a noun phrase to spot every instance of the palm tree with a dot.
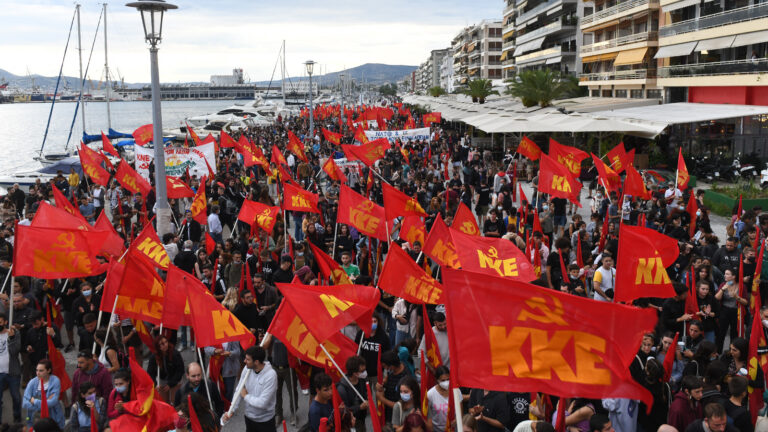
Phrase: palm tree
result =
(436, 91)
(479, 89)
(540, 87)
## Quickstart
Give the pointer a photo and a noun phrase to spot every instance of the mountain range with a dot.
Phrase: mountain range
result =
(371, 73)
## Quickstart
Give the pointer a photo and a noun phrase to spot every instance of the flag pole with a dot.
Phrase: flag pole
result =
(241, 384)
(335, 231)
(343, 375)
(10, 270)
(205, 378)
(109, 327)
(457, 398)
(63, 288)
(10, 304)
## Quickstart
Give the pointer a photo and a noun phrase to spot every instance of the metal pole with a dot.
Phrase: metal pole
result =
(205, 379)
(343, 375)
(106, 70)
(311, 110)
(10, 270)
(163, 209)
(82, 78)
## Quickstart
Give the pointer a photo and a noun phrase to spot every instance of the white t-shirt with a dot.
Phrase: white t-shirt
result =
(5, 357)
(438, 409)
(606, 279)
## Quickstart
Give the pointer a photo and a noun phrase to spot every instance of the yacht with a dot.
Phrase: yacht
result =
(47, 172)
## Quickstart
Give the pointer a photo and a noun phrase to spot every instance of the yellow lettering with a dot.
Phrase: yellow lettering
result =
(504, 267)
(61, 261)
(560, 183)
(364, 222)
(154, 251)
(446, 253)
(423, 289)
(225, 325)
(302, 340)
(644, 273)
(334, 305)
(140, 307)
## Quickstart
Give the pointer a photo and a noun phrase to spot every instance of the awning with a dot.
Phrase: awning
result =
(503, 56)
(472, 47)
(751, 38)
(600, 57)
(463, 80)
(554, 60)
(508, 34)
(716, 43)
(472, 72)
(679, 5)
(529, 46)
(682, 49)
(630, 57)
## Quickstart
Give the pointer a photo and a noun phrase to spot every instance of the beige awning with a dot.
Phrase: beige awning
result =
(716, 43)
(751, 38)
(599, 57)
(630, 57)
(682, 49)
(508, 34)
(503, 56)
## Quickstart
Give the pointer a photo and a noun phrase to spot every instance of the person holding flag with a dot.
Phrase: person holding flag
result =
(42, 394)
(258, 392)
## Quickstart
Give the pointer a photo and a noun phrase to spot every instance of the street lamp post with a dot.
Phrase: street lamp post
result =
(152, 12)
(310, 68)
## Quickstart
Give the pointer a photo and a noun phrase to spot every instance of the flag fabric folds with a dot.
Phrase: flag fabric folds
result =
(329, 267)
(608, 177)
(634, 184)
(682, 171)
(332, 136)
(264, 215)
(402, 277)
(492, 256)
(369, 152)
(556, 180)
(361, 213)
(439, 245)
(131, 180)
(176, 188)
(200, 205)
(296, 147)
(567, 156)
(643, 258)
(412, 229)
(53, 253)
(333, 171)
(397, 203)
(107, 146)
(465, 221)
(297, 199)
(529, 149)
(91, 163)
(143, 134)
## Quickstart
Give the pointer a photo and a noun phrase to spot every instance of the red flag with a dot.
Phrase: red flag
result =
(361, 213)
(567, 156)
(63, 203)
(562, 405)
(297, 199)
(144, 335)
(492, 256)
(329, 267)
(210, 244)
(756, 360)
(608, 177)
(439, 245)
(288, 327)
(195, 138)
(296, 147)
(431, 348)
(739, 211)
(226, 140)
(131, 180)
(177, 188)
(669, 358)
(604, 232)
(367, 153)
(465, 221)
(617, 158)
(200, 205)
(397, 203)
(193, 420)
(278, 157)
(264, 215)
(508, 335)
(374, 414)
(429, 118)
(523, 198)
(412, 229)
(536, 222)
(141, 291)
(332, 136)
(529, 149)
(634, 184)
(149, 247)
(336, 409)
(143, 134)
(107, 146)
(402, 277)
(691, 208)
(333, 171)
(427, 382)
(360, 135)
(53, 253)
(556, 180)
(43, 401)
(326, 313)
(682, 171)
(91, 163)
(643, 258)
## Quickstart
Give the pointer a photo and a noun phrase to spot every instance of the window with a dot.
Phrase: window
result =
(653, 94)
(595, 93)
(607, 93)
(636, 94)
(621, 94)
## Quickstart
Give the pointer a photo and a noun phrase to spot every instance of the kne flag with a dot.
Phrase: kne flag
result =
(513, 336)
(199, 205)
(403, 278)
(361, 213)
(148, 246)
(529, 149)
(412, 229)
(492, 256)
(634, 184)
(334, 172)
(296, 147)
(325, 311)
(567, 156)
(297, 199)
(226, 140)
(91, 163)
(131, 180)
(54, 253)
(429, 118)
(608, 177)
(332, 136)
(176, 188)
(397, 203)
(107, 146)
(619, 159)
(556, 180)
(264, 215)
(367, 153)
(143, 134)
(329, 267)
(64, 204)
(439, 245)
(465, 221)
(682, 171)
(289, 328)
(643, 258)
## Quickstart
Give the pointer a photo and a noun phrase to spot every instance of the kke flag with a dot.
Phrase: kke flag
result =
(64, 204)
(465, 221)
(288, 327)
(200, 205)
(361, 213)
(492, 256)
(402, 277)
(143, 134)
(608, 177)
(213, 323)
(367, 153)
(429, 118)
(682, 171)
(325, 311)
(529, 149)
(619, 159)
(513, 336)
(332, 136)
(556, 180)
(264, 215)
(107, 146)
(333, 171)
(360, 135)
(329, 267)
(412, 229)
(439, 245)
(149, 247)
(226, 140)
(296, 147)
(91, 163)
(397, 203)
(569, 157)
(141, 292)
(177, 188)
(53, 253)
(131, 180)
(643, 258)
(297, 199)
(634, 184)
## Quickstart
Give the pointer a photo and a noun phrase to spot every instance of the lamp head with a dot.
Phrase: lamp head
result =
(310, 65)
(152, 12)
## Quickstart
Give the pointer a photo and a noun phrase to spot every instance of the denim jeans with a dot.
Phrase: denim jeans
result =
(13, 383)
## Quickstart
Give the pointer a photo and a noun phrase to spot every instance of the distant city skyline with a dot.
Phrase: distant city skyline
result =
(212, 38)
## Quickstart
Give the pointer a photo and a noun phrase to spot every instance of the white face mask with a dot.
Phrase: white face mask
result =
(765, 323)
(405, 397)
(445, 384)
(362, 375)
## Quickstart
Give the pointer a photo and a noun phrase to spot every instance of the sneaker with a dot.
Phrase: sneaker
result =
(305, 391)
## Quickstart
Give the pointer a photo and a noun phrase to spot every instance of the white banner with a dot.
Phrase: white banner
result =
(402, 135)
(178, 160)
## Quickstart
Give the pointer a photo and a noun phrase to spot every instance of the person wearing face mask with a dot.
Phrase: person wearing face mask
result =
(410, 398)
(370, 346)
(195, 384)
(438, 399)
(80, 414)
(389, 392)
(87, 302)
(121, 393)
(357, 375)
(10, 368)
(730, 298)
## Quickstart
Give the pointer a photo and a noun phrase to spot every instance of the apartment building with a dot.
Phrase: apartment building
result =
(714, 51)
(547, 35)
(459, 46)
(430, 72)
(477, 52)
(508, 40)
(620, 39)
(446, 71)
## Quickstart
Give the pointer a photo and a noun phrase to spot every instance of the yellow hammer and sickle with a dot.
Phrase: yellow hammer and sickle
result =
(67, 241)
(545, 314)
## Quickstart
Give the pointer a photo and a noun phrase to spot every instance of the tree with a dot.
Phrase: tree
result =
(436, 91)
(479, 89)
(540, 87)
(388, 90)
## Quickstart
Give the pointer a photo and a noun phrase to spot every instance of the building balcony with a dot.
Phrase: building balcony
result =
(508, 28)
(632, 74)
(562, 24)
(536, 11)
(720, 19)
(733, 67)
(508, 45)
(619, 10)
(624, 40)
(552, 52)
(509, 8)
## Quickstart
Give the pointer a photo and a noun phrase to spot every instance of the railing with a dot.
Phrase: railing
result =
(614, 10)
(624, 40)
(617, 75)
(508, 28)
(540, 53)
(549, 28)
(733, 67)
(734, 16)
(507, 45)
(537, 10)
(509, 8)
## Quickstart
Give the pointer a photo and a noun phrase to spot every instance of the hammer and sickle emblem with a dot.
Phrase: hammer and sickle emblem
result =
(493, 253)
(66, 241)
(366, 206)
(538, 310)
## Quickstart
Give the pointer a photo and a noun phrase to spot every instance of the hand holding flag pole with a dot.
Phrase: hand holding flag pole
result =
(239, 388)
(343, 375)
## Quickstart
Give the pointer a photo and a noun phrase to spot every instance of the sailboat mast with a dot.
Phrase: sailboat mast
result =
(106, 70)
(282, 71)
(80, 55)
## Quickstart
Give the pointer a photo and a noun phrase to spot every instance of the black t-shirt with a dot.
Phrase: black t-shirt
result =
(392, 388)
(498, 226)
(560, 205)
(553, 261)
(371, 347)
(483, 195)
(519, 404)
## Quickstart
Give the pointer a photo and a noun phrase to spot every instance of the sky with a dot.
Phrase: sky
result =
(204, 38)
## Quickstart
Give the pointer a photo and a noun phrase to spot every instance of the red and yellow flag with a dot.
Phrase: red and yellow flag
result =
(264, 215)
(226, 140)
(429, 118)
(63, 203)
(643, 258)
(140, 290)
(91, 163)
(296, 147)
(619, 159)
(529, 149)
(431, 348)
(397, 204)
(412, 229)
(465, 221)
(556, 180)
(107, 146)
(131, 180)
(193, 134)
(278, 157)
(53, 253)
(361, 213)
(492, 256)
(329, 267)
(360, 135)
(439, 245)
(332, 136)
(148, 246)
(367, 153)
(143, 134)
(297, 199)
(333, 171)
(608, 177)
(176, 188)
(402, 277)
(567, 156)
(200, 204)
(682, 171)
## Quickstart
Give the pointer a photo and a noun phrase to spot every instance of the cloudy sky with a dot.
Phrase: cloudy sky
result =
(213, 37)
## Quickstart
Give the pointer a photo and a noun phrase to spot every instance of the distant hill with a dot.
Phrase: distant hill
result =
(42, 82)
(371, 73)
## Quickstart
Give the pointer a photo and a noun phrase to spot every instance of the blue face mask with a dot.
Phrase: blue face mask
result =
(121, 389)
(86, 293)
(374, 326)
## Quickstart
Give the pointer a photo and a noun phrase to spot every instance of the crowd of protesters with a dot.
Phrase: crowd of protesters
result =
(707, 390)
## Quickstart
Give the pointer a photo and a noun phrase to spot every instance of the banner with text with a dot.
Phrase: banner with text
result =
(178, 160)
(402, 135)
